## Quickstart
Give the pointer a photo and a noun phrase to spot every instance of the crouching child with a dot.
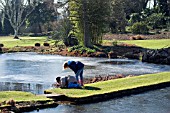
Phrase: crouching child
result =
(67, 82)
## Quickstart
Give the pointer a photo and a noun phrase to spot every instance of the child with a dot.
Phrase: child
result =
(67, 82)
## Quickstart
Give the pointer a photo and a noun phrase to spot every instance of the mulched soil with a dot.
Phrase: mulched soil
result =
(104, 78)
(162, 35)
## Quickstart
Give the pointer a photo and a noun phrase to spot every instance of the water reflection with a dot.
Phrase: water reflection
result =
(117, 62)
(28, 87)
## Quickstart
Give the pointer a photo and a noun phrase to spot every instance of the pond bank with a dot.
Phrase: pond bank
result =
(19, 101)
(111, 89)
(118, 89)
(159, 56)
(125, 51)
(107, 96)
(20, 107)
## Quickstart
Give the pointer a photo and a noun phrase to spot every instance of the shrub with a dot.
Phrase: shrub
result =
(11, 102)
(155, 20)
(137, 37)
(81, 49)
(46, 44)
(37, 44)
(0, 50)
(114, 43)
(139, 28)
(134, 17)
(1, 45)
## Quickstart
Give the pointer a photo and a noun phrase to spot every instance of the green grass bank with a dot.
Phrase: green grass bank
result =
(95, 91)
(20, 96)
(92, 89)
(10, 42)
(150, 44)
(114, 85)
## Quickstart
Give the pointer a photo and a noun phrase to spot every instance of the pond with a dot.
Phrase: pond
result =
(34, 73)
(150, 102)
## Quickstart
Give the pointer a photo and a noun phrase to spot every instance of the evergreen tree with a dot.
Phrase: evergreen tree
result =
(0, 27)
(89, 18)
(42, 14)
(163, 7)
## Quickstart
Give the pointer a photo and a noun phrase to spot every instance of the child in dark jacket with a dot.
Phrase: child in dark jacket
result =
(77, 67)
(67, 82)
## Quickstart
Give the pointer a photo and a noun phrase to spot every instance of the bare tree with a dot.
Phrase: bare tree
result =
(17, 12)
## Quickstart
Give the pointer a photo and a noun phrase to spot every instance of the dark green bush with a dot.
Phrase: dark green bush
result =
(37, 44)
(0, 50)
(139, 28)
(81, 49)
(46, 44)
(1, 45)
(155, 20)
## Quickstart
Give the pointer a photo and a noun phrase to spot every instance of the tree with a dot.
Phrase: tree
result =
(89, 18)
(63, 28)
(87, 41)
(118, 16)
(6, 26)
(0, 26)
(163, 7)
(77, 15)
(17, 11)
(43, 13)
(99, 19)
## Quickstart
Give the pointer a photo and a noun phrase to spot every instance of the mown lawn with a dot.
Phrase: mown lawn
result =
(114, 85)
(9, 42)
(19, 96)
(152, 44)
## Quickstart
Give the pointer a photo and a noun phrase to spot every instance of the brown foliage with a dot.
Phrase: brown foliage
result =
(137, 37)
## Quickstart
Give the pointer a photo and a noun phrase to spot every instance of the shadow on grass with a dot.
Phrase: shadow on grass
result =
(85, 88)
(91, 88)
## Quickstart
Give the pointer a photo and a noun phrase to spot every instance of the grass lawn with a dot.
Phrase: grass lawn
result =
(9, 42)
(19, 96)
(114, 85)
(152, 44)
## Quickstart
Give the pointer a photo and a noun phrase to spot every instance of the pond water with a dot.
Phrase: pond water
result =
(34, 73)
(150, 102)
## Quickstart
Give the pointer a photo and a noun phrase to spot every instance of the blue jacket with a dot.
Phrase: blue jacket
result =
(75, 65)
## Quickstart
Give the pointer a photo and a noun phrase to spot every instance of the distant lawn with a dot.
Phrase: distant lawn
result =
(152, 44)
(9, 42)
(114, 85)
(19, 96)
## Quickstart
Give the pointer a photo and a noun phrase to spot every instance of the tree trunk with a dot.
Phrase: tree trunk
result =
(16, 33)
(145, 4)
(87, 40)
(39, 26)
(155, 3)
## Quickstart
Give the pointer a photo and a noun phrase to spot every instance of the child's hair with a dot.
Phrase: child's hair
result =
(65, 65)
(58, 79)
